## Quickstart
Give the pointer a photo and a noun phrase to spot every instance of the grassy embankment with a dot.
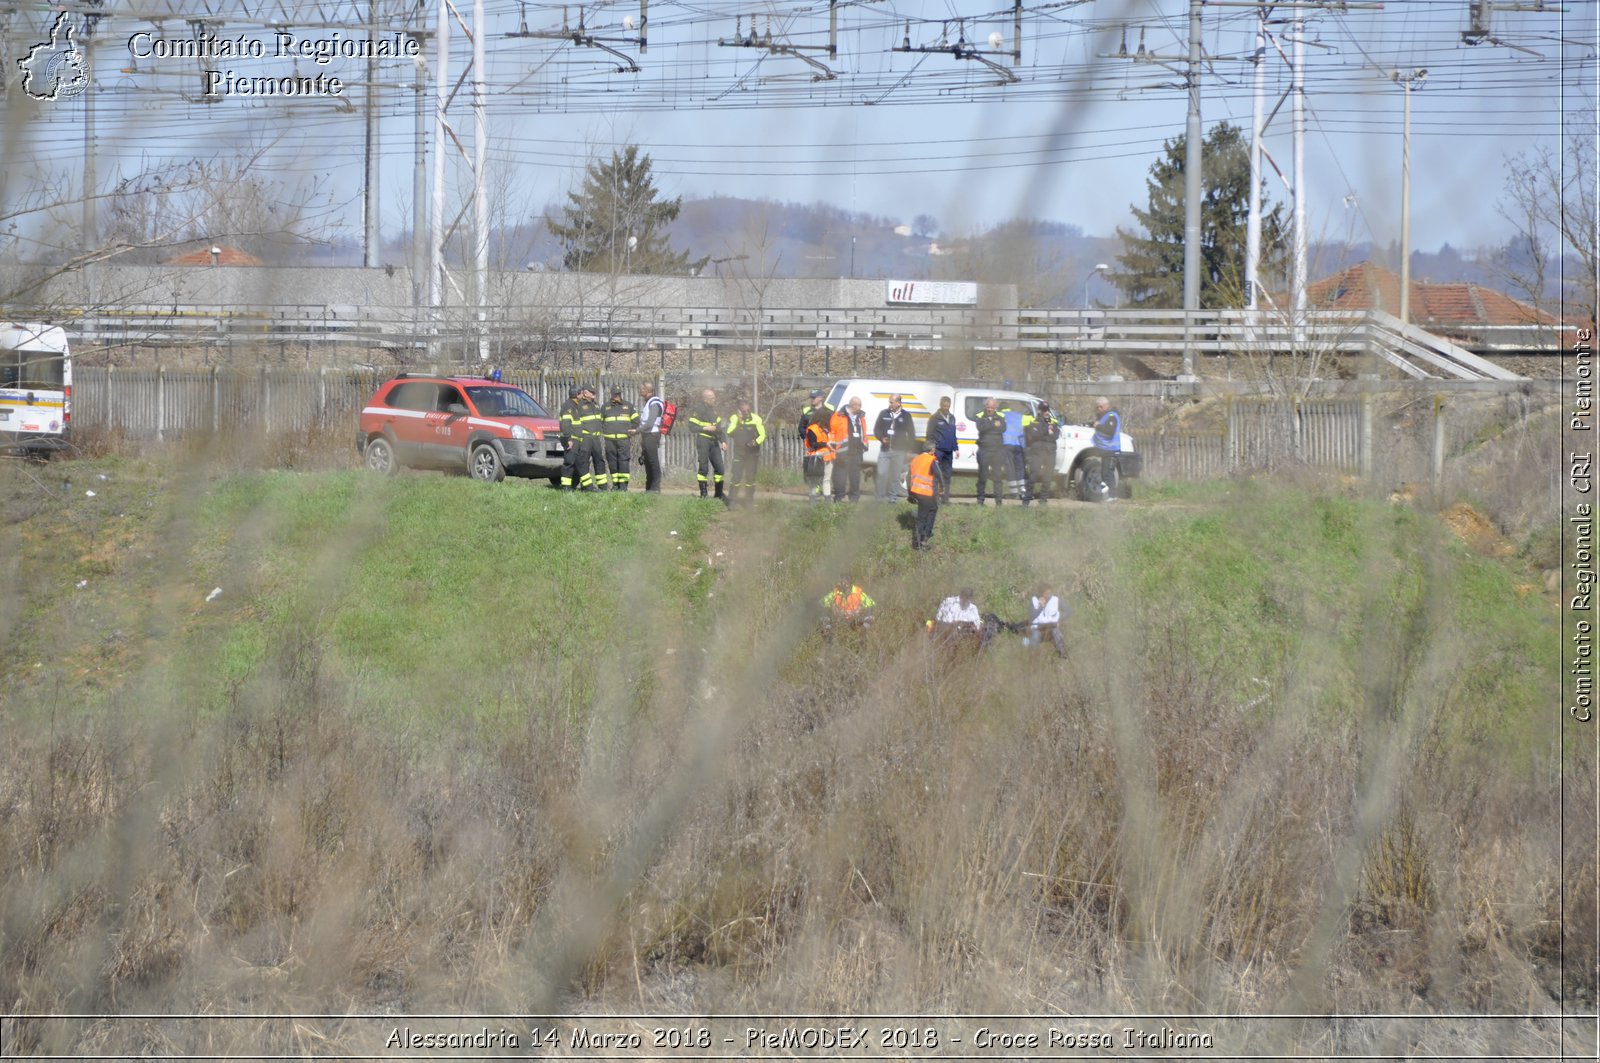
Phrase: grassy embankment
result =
(442, 746)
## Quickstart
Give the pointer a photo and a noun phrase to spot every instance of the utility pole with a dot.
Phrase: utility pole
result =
(419, 180)
(441, 85)
(91, 223)
(480, 193)
(369, 200)
(1298, 81)
(1407, 82)
(1191, 193)
(1252, 232)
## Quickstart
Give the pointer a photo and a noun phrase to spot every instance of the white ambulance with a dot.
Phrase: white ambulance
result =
(1074, 450)
(35, 388)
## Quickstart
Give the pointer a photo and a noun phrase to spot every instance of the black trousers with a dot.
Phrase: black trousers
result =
(708, 454)
(1041, 470)
(1109, 468)
(944, 466)
(847, 477)
(650, 455)
(927, 510)
(569, 466)
(618, 457)
(591, 467)
(745, 461)
(993, 468)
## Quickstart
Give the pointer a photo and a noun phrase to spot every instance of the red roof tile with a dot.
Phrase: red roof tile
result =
(1458, 304)
(229, 256)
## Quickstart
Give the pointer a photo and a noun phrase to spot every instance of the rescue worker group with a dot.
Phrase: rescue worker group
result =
(1016, 450)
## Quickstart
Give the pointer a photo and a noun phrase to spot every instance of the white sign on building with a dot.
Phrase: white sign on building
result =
(945, 293)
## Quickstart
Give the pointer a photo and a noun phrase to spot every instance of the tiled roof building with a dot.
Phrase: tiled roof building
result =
(1479, 318)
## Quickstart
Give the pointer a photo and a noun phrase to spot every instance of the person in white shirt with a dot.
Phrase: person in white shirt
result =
(959, 615)
(1044, 619)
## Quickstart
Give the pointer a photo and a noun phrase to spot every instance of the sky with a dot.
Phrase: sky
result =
(1068, 133)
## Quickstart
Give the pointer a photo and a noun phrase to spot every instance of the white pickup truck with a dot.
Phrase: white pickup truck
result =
(1074, 450)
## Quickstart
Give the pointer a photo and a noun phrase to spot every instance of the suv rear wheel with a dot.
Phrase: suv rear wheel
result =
(485, 464)
(380, 456)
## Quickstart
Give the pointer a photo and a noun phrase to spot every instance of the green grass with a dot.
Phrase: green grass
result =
(439, 599)
(416, 737)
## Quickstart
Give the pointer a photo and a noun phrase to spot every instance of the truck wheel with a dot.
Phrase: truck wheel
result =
(380, 456)
(1089, 489)
(485, 464)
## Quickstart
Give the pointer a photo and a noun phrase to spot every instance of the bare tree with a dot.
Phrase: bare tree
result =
(749, 269)
(1549, 196)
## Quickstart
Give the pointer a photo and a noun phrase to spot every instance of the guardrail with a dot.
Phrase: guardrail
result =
(555, 329)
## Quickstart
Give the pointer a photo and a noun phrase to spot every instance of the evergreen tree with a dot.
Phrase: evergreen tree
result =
(617, 223)
(1152, 264)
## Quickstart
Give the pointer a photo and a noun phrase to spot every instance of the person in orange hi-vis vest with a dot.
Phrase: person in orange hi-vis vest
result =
(846, 605)
(847, 431)
(923, 483)
(819, 455)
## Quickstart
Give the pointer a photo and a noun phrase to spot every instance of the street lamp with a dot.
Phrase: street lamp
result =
(1407, 82)
(1100, 267)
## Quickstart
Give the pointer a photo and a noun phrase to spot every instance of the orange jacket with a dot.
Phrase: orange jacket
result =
(921, 480)
(839, 429)
(817, 442)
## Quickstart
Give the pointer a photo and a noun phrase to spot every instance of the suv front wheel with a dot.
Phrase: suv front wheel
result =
(485, 464)
(380, 456)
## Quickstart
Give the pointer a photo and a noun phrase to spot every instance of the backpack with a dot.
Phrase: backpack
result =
(669, 413)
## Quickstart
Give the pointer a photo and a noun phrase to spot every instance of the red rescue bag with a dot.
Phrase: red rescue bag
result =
(669, 413)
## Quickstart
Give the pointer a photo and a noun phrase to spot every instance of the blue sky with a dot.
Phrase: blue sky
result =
(902, 133)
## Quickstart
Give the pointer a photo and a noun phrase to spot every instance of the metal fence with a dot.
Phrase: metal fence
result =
(167, 404)
(161, 405)
(712, 337)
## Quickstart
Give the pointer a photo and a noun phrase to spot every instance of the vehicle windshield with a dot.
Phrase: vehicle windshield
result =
(505, 402)
(32, 369)
(836, 396)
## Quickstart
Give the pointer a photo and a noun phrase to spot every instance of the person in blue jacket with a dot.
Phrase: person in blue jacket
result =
(1015, 440)
(1107, 444)
(941, 432)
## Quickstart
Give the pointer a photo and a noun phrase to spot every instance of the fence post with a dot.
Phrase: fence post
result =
(1366, 432)
(1438, 441)
(161, 404)
(216, 419)
(1230, 439)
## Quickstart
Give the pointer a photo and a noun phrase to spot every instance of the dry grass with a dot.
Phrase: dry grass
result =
(788, 825)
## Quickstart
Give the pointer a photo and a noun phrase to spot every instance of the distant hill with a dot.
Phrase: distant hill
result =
(1052, 263)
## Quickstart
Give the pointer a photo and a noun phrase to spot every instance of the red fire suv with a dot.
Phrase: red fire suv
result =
(483, 428)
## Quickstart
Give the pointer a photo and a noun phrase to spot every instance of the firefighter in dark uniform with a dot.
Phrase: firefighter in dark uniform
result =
(991, 451)
(746, 432)
(1041, 436)
(709, 442)
(568, 416)
(620, 423)
(591, 466)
